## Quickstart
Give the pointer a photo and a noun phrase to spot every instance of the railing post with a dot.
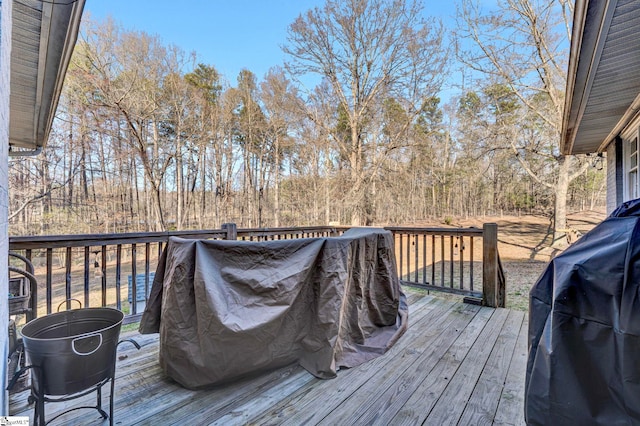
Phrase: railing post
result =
(490, 268)
(232, 231)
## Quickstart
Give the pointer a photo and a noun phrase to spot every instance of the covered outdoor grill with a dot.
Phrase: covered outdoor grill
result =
(584, 331)
(225, 309)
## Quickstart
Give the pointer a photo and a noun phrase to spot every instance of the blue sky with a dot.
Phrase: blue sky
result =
(229, 34)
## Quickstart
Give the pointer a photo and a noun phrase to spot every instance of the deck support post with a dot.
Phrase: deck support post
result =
(493, 291)
(232, 231)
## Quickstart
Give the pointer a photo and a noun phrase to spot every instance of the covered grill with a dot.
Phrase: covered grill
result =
(228, 309)
(584, 329)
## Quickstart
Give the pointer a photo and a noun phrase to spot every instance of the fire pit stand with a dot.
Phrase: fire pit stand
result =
(39, 397)
(72, 354)
(39, 416)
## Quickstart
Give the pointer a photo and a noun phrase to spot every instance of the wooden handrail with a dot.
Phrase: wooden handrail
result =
(413, 243)
(456, 232)
(83, 240)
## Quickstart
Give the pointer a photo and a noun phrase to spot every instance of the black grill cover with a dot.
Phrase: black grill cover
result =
(584, 330)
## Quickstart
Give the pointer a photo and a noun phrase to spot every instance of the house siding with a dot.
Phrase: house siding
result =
(6, 8)
(615, 194)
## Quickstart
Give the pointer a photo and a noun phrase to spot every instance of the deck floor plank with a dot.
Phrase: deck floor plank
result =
(427, 394)
(233, 410)
(304, 408)
(511, 407)
(397, 384)
(452, 401)
(481, 407)
(180, 404)
(264, 401)
(456, 363)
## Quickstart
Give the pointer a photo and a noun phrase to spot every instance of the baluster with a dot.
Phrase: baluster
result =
(48, 279)
(424, 259)
(87, 279)
(34, 292)
(147, 255)
(104, 275)
(400, 263)
(415, 266)
(134, 273)
(471, 264)
(433, 259)
(451, 261)
(408, 257)
(442, 261)
(67, 277)
(461, 251)
(118, 276)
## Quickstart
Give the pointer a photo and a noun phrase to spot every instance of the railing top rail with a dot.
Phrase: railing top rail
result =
(294, 228)
(290, 230)
(474, 232)
(83, 240)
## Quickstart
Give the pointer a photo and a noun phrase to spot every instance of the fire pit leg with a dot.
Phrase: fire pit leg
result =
(113, 385)
(38, 412)
(99, 402)
(40, 400)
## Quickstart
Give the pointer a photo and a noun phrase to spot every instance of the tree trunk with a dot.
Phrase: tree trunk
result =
(179, 185)
(357, 208)
(203, 178)
(276, 199)
(560, 207)
(159, 222)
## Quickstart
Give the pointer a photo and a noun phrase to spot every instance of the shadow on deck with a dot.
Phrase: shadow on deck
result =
(457, 364)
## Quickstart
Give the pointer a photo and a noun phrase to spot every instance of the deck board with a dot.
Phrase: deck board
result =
(428, 392)
(456, 363)
(481, 407)
(398, 384)
(304, 408)
(333, 396)
(511, 404)
(452, 402)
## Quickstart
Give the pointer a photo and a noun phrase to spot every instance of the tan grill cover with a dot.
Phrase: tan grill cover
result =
(225, 309)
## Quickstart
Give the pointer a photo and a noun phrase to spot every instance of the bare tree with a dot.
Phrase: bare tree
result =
(144, 141)
(368, 51)
(207, 115)
(523, 44)
(282, 106)
(249, 135)
(129, 70)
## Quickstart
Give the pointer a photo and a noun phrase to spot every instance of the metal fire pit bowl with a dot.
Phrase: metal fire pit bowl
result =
(72, 354)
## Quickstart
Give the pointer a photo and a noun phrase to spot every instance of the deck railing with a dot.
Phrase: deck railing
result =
(462, 261)
(95, 268)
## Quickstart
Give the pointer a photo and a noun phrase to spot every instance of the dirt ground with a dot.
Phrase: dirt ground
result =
(524, 246)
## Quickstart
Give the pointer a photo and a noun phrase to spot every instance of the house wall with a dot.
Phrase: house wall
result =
(5, 55)
(614, 175)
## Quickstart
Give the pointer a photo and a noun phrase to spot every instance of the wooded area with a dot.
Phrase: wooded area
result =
(149, 139)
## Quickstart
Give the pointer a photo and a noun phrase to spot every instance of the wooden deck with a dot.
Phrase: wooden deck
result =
(457, 364)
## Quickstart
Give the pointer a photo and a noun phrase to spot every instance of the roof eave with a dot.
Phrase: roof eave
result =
(59, 28)
(586, 51)
(568, 127)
